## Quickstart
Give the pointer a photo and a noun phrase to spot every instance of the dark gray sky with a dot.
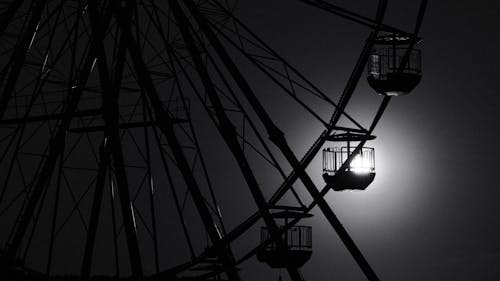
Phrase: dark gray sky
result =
(430, 214)
(432, 211)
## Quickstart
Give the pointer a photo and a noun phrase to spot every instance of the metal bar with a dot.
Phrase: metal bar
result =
(111, 116)
(19, 55)
(344, 99)
(15, 154)
(55, 148)
(151, 185)
(56, 116)
(277, 137)
(273, 160)
(36, 217)
(172, 188)
(158, 142)
(144, 79)
(171, 55)
(265, 69)
(387, 99)
(198, 148)
(227, 129)
(113, 220)
(339, 128)
(276, 55)
(368, 22)
(96, 209)
(54, 213)
(122, 126)
(171, 185)
(38, 89)
(174, 193)
(416, 30)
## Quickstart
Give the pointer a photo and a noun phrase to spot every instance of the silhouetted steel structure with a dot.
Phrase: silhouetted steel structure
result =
(96, 116)
(294, 248)
(357, 176)
(386, 74)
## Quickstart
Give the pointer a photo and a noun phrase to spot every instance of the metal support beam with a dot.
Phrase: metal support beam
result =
(144, 78)
(111, 117)
(355, 17)
(227, 130)
(55, 211)
(19, 56)
(55, 116)
(96, 209)
(277, 137)
(55, 148)
(129, 125)
(151, 185)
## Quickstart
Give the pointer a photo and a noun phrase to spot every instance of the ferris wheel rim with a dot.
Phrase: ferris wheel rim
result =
(258, 215)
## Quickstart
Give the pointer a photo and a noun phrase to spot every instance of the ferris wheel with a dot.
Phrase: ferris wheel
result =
(134, 135)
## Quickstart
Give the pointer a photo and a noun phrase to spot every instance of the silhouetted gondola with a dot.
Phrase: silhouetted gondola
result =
(394, 68)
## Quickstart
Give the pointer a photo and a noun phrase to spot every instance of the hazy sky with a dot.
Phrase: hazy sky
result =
(430, 214)
(432, 211)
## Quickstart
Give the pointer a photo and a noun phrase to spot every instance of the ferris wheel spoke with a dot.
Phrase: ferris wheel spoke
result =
(252, 40)
(151, 186)
(275, 76)
(279, 140)
(55, 210)
(170, 105)
(275, 134)
(166, 126)
(237, 103)
(96, 208)
(174, 194)
(368, 22)
(22, 122)
(226, 129)
(387, 98)
(55, 148)
(148, 112)
(344, 99)
(111, 117)
(194, 139)
(19, 55)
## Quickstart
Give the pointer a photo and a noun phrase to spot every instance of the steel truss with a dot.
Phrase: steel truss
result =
(96, 103)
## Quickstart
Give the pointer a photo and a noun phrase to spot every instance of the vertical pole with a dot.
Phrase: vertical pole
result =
(348, 151)
(111, 131)
(113, 218)
(96, 209)
(54, 213)
(55, 147)
(151, 185)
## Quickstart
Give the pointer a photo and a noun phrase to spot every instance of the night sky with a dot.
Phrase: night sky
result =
(431, 212)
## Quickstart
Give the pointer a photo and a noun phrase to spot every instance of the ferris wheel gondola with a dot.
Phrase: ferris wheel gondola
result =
(110, 112)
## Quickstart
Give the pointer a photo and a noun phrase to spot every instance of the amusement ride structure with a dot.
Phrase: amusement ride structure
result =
(109, 114)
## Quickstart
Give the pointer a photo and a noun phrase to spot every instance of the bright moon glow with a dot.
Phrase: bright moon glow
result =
(360, 165)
